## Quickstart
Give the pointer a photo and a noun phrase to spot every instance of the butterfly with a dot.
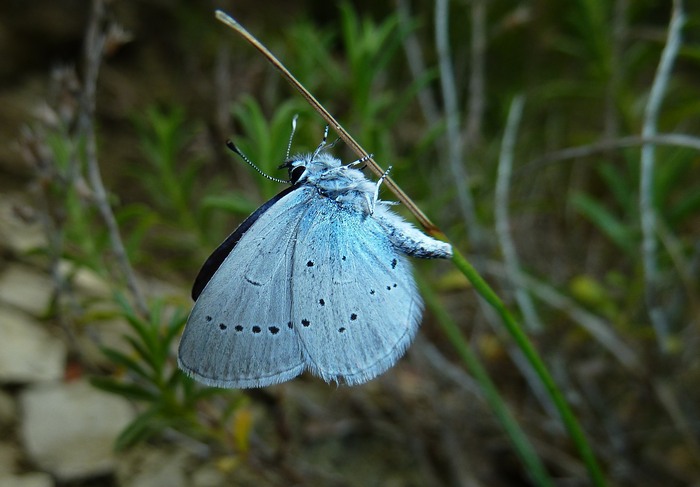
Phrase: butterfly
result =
(317, 279)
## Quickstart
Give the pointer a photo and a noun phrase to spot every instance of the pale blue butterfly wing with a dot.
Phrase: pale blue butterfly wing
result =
(238, 334)
(217, 257)
(355, 305)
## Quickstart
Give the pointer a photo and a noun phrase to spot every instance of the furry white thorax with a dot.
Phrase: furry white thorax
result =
(342, 183)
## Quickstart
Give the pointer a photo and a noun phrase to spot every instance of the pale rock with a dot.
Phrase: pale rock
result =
(147, 467)
(28, 353)
(69, 429)
(18, 234)
(34, 479)
(85, 281)
(104, 333)
(8, 410)
(26, 288)
(208, 475)
(9, 457)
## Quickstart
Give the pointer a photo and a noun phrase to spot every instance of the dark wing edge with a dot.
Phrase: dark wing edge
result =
(214, 261)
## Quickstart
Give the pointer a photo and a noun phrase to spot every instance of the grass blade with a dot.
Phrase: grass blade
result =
(520, 441)
(568, 418)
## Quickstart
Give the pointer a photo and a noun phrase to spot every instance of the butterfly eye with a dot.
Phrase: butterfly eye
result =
(296, 173)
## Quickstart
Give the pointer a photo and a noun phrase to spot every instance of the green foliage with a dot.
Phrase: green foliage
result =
(356, 87)
(149, 377)
(79, 237)
(185, 207)
(616, 214)
(266, 138)
(170, 180)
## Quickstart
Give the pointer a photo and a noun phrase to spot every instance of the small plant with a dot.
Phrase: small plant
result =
(149, 376)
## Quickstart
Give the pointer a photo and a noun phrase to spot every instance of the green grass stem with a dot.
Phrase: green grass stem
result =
(523, 447)
(568, 418)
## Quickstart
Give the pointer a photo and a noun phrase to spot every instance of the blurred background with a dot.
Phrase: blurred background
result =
(553, 142)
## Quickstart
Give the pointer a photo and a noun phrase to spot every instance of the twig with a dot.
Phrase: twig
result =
(445, 369)
(673, 245)
(48, 180)
(647, 207)
(505, 238)
(454, 147)
(332, 122)
(601, 330)
(619, 35)
(416, 65)
(450, 103)
(477, 97)
(94, 44)
(677, 140)
(669, 399)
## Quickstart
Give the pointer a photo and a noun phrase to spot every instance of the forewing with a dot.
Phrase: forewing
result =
(355, 304)
(214, 261)
(239, 334)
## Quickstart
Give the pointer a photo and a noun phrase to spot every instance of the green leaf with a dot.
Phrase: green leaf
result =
(141, 350)
(606, 222)
(145, 425)
(232, 203)
(619, 185)
(687, 206)
(125, 361)
(129, 391)
(176, 324)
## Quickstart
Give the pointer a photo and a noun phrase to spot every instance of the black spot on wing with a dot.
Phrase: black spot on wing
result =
(212, 264)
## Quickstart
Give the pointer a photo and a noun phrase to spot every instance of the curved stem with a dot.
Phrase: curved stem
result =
(568, 418)
(342, 133)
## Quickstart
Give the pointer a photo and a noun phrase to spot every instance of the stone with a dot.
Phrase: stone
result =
(208, 475)
(8, 411)
(34, 479)
(26, 288)
(18, 234)
(145, 467)
(86, 282)
(69, 429)
(9, 458)
(28, 353)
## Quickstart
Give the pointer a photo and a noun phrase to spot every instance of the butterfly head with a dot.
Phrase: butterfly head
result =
(303, 167)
